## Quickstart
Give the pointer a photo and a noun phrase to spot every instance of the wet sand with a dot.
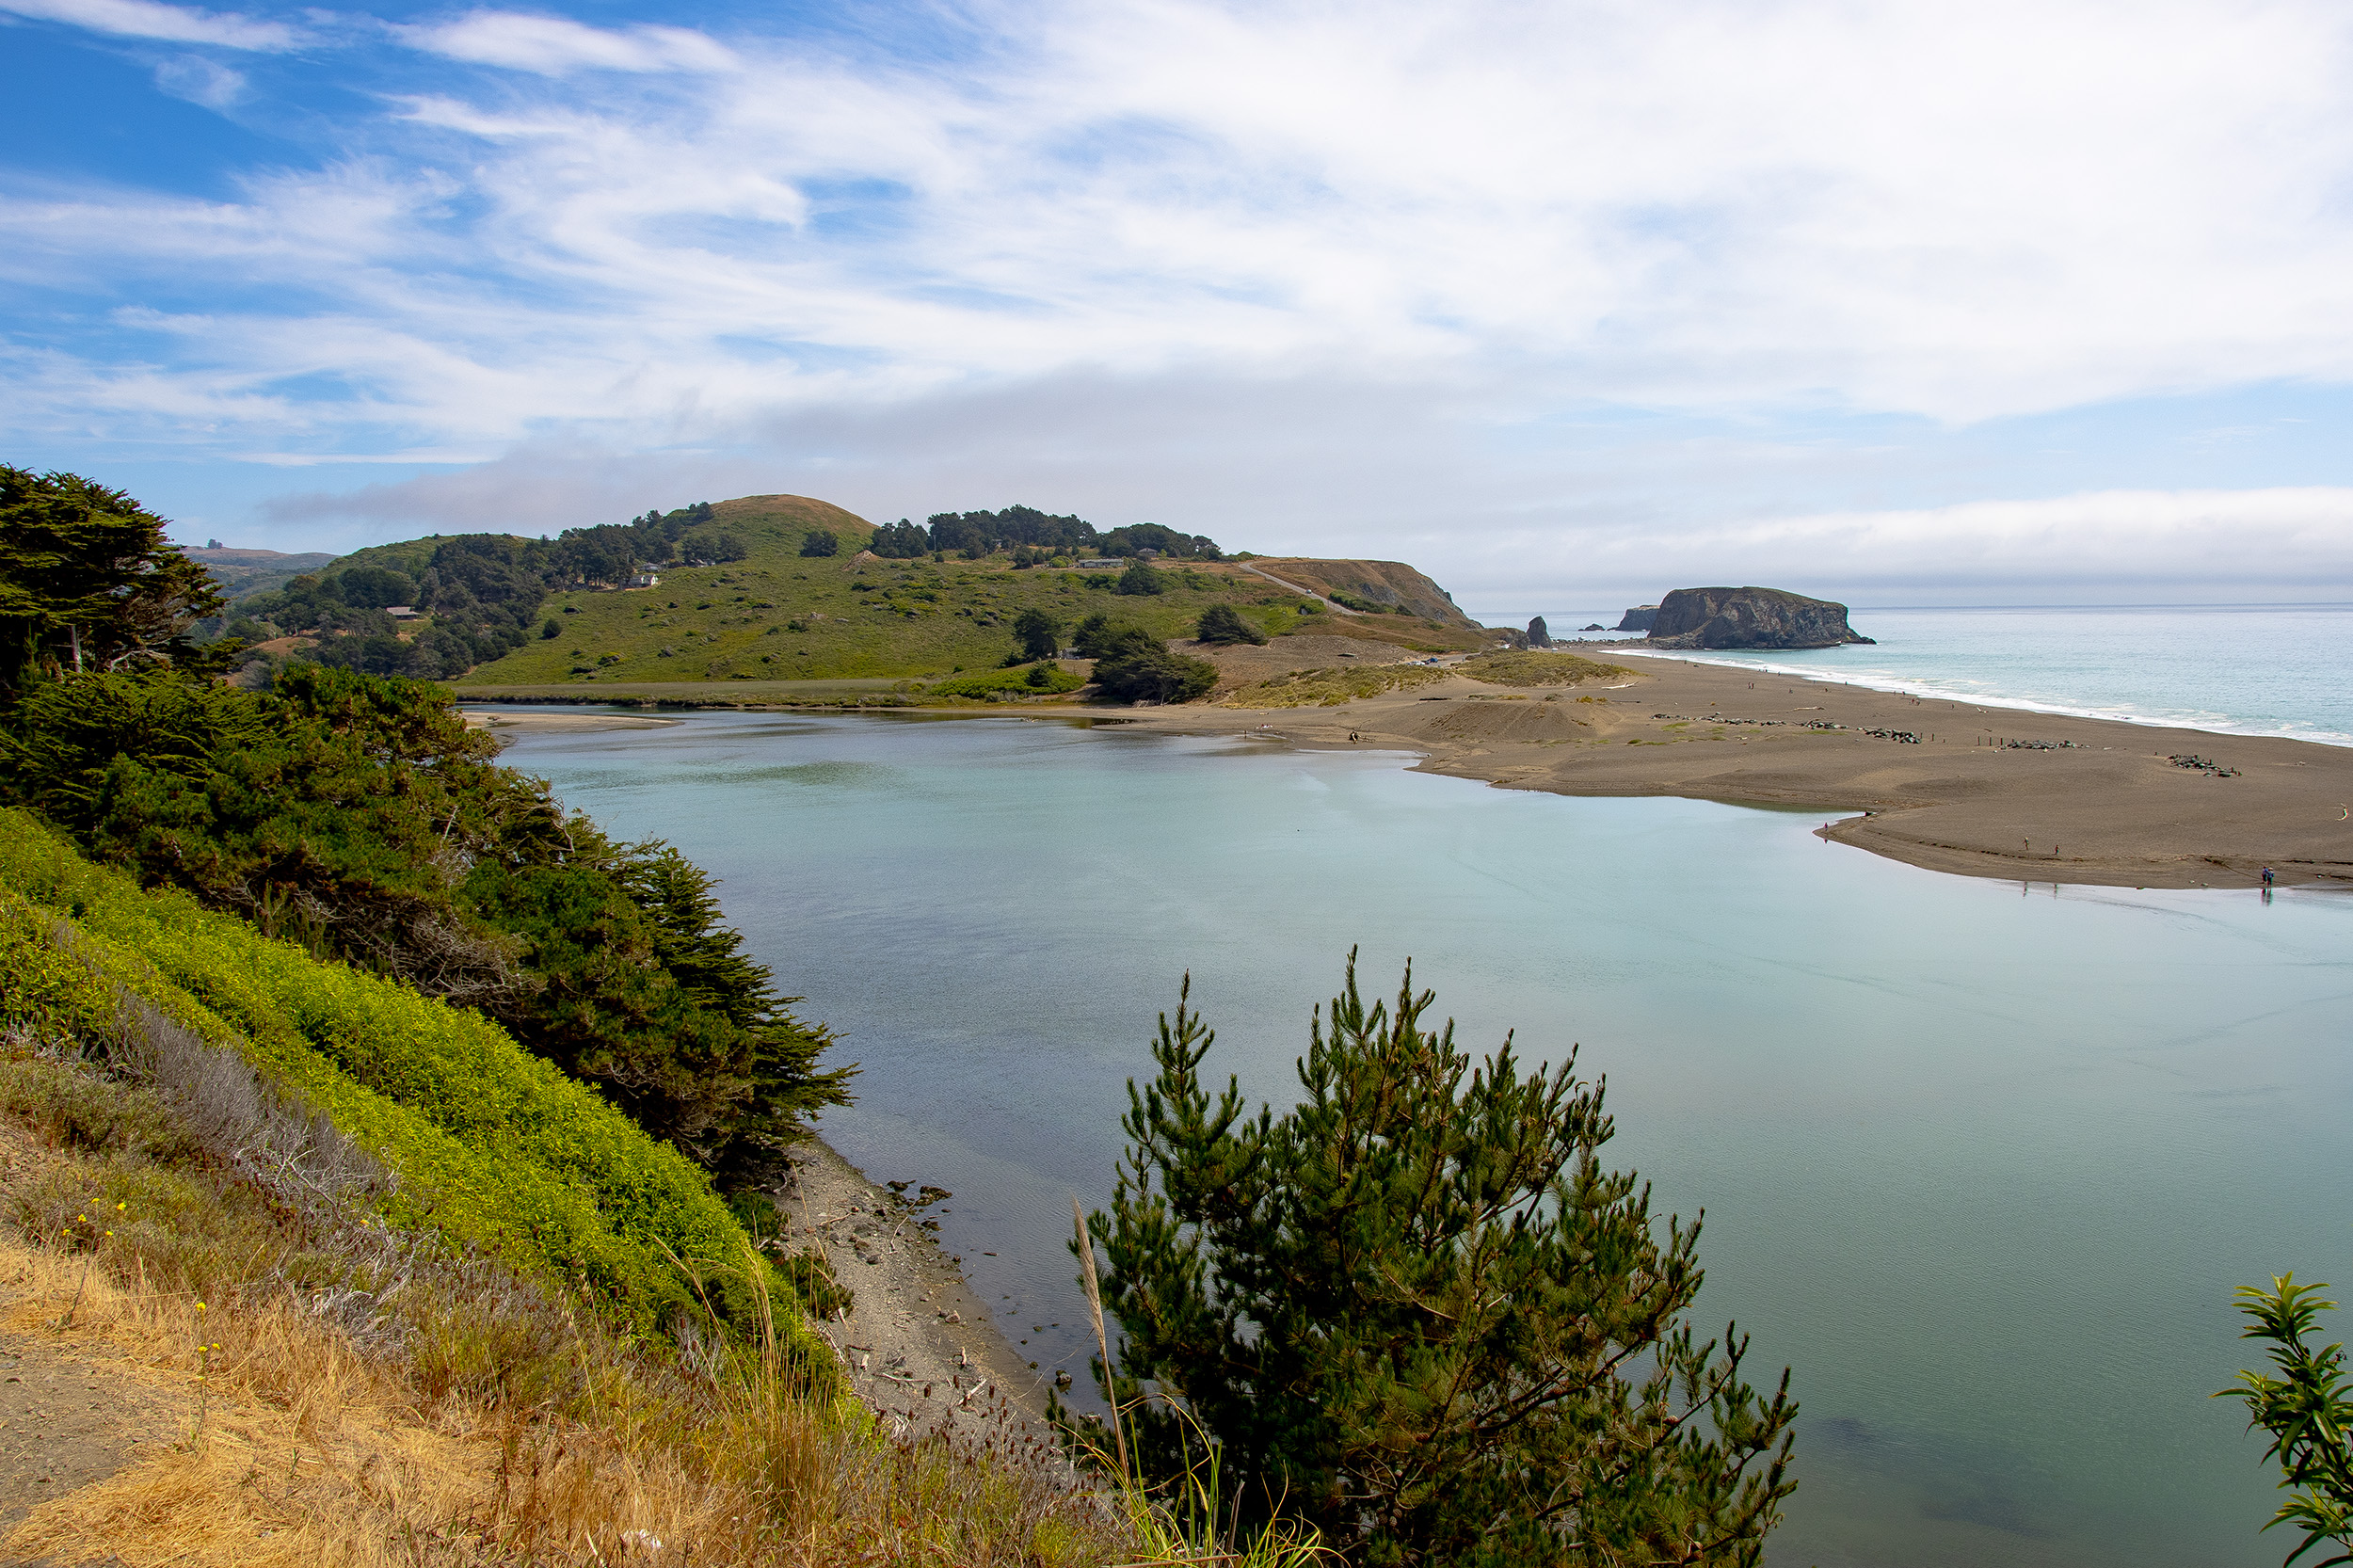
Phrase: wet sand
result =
(2083, 801)
(921, 1349)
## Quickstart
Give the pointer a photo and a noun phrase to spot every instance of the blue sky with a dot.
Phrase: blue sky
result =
(1993, 302)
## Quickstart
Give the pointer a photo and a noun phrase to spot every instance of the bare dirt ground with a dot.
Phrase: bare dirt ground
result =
(65, 1419)
(2074, 800)
(921, 1348)
(66, 1422)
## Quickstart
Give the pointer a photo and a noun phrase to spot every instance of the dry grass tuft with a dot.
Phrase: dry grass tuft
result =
(1537, 667)
(369, 1398)
(1329, 688)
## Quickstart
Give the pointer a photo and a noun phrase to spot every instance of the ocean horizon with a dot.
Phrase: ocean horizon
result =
(2234, 669)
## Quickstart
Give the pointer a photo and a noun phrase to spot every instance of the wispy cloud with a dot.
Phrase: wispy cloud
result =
(1493, 215)
(556, 47)
(150, 19)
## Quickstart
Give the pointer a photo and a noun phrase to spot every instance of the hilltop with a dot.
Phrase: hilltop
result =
(744, 603)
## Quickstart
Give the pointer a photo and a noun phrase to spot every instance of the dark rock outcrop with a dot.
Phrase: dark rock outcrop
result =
(1595, 627)
(1749, 617)
(1638, 619)
(1538, 635)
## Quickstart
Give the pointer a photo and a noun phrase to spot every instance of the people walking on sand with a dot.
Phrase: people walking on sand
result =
(2266, 877)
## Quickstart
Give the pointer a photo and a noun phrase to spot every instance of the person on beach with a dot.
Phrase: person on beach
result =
(2266, 878)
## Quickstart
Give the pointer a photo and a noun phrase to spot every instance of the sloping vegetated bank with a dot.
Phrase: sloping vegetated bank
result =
(331, 1385)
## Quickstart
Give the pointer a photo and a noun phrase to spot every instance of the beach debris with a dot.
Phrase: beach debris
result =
(1906, 737)
(2204, 764)
(2039, 745)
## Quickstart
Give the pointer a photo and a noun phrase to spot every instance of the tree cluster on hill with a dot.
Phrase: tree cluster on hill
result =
(481, 591)
(358, 816)
(976, 534)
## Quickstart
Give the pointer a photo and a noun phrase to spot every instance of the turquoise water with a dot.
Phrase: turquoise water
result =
(2251, 670)
(1981, 1161)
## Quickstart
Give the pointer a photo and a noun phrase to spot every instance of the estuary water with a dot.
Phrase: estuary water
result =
(2239, 669)
(1981, 1161)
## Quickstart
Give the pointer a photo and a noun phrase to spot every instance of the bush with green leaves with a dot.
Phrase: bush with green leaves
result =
(1047, 679)
(1141, 578)
(1037, 633)
(1133, 665)
(1415, 1312)
(363, 818)
(490, 1144)
(1224, 624)
(820, 541)
(2303, 1403)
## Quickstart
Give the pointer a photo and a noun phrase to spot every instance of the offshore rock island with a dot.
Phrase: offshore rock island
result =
(1747, 618)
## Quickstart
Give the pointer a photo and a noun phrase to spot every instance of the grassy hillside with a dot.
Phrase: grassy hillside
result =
(778, 615)
(489, 1145)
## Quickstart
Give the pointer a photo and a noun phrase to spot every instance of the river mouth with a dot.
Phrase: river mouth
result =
(1983, 1162)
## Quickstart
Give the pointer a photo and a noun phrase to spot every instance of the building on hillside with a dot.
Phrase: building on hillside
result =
(400, 612)
(645, 577)
(1110, 564)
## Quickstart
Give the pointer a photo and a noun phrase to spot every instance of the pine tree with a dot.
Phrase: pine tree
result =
(1415, 1312)
(87, 582)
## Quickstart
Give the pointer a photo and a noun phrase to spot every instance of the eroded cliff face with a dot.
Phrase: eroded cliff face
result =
(1749, 617)
(1638, 619)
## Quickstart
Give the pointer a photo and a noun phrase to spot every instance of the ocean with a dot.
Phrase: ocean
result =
(2239, 669)
(1981, 1161)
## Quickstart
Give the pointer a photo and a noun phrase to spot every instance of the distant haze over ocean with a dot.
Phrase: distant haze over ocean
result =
(2232, 668)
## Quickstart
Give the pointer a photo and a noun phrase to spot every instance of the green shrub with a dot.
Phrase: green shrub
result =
(360, 817)
(1223, 624)
(73, 1105)
(1136, 666)
(490, 1144)
(1043, 678)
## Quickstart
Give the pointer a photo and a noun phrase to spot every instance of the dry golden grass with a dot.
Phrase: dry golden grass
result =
(1537, 667)
(373, 1400)
(1329, 688)
(301, 1450)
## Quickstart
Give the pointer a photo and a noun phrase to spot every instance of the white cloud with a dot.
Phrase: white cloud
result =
(149, 19)
(1403, 238)
(201, 81)
(554, 46)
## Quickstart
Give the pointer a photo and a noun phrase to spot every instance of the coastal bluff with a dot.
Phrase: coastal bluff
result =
(1749, 617)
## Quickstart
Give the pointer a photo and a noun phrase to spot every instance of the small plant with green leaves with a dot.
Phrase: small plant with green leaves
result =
(205, 1351)
(2304, 1405)
(92, 1235)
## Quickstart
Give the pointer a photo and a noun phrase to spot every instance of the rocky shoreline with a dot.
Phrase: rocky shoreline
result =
(920, 1349)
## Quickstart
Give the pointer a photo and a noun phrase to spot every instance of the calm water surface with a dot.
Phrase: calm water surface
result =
(1983, 1162)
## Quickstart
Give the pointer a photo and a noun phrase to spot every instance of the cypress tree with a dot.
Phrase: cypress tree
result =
(1417, 1313)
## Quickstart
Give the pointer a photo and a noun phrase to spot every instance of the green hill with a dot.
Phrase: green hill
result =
(775, 614)
(780, 615)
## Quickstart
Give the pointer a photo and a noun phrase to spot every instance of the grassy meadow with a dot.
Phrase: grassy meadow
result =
(778, 616)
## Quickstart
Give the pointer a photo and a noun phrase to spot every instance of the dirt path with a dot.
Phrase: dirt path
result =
(65, 1423)
(921, 1349)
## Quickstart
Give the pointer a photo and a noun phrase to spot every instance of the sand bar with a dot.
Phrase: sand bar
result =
(2096, 801)
(524, 719)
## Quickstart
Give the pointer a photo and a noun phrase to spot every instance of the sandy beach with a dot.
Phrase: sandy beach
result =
(1977, 790)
